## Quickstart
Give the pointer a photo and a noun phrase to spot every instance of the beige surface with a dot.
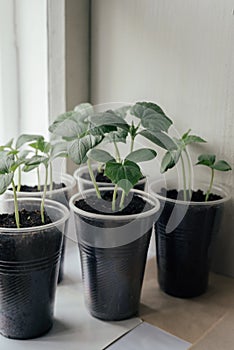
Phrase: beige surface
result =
(188, 319)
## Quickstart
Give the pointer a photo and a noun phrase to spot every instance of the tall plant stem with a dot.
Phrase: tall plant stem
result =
(118, 158)
(121, 205)
(38, 176)
(189, 174)
(51, 177)
(211, 185)
(114, 198)
(184, 179)
(44, 195)
(93, 179)
(15, 204)
(132, 143)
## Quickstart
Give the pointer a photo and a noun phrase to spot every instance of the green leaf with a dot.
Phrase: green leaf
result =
(83, 111)
(101, 130)
(169, 160)
(206, 159)
(28, 168)
(9, 143)
(6, 162)
(116, 136)
(140, 107)
(125, 175)
(141, 155)
(26, 138)
(109, 118)
(16, 164)
(222, 165)
(58, 149)
(36, 160)
(69, 129)
(5, 181)
(193, 139)
(122, 111)
(160, 139)
(78, 149)
(99, 155)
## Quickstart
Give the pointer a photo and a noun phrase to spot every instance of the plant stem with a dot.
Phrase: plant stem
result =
(93, 179)
(15, 205)
(19, 179)
(114, 198)
(184, 178)
(44, 195)
(121, 205)
(118, 158)
(189, 174)
(132, 143)
(51, 177)
(211, 185)
(38, 176)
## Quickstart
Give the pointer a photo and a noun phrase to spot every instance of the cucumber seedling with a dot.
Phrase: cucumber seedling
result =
(209, 160)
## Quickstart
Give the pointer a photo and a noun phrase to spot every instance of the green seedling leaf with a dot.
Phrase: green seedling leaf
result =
(101, 130)
(9, 143)
(69, 129)
(125, 175)
(99, 155)
(222, 165)
(28, 168)
(122, 111)
(108, 118)
(26, 138)
(116, 136)
(58, 149)
(36, 160)
(193, 139)
(141, 155)
(6, 162)
(5, 181)
(206, 159)
(83, 111)
(140, 107)
(160, 139)
(77, 150)
(169, 160)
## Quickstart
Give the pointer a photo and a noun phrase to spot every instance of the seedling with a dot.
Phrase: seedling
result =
(84, 130)
(173, 156)
(8, 166)
(48, 152)
(209, 160)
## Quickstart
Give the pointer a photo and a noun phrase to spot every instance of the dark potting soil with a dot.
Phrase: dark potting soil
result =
(92, 204)
(27, 219)
(197, 196)
(26, 188)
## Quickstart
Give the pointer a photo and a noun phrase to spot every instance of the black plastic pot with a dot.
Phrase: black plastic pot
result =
(113, 252)
(61, 195)
(29, 266)
(184, 233)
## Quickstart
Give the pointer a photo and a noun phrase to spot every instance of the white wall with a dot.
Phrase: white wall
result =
(31, 27)
(179, 54)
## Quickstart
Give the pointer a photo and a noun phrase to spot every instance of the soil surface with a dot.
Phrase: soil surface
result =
(27, 219)
(197, 196)
(26, 188)
(133, 204)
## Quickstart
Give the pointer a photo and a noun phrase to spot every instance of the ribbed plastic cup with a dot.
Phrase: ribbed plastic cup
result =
(185, 233)
(61, 195)
(85, 183)
(113, 251)
(29, 266)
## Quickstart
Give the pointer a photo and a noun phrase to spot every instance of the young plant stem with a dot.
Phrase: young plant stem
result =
(44, 195)
(15, 205)
(19, 179)
(121, 205)
(114, 198)
(38, 176)
(211, 185)
(51, 177)
(184, 179)
(93, 179)
(132, 143)
(189, 174)
(118, 158)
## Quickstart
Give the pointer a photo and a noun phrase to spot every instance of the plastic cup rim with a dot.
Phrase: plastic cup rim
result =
(48, 204)
(146, 196)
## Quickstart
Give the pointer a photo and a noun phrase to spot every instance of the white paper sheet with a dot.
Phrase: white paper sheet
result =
(147, 337)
